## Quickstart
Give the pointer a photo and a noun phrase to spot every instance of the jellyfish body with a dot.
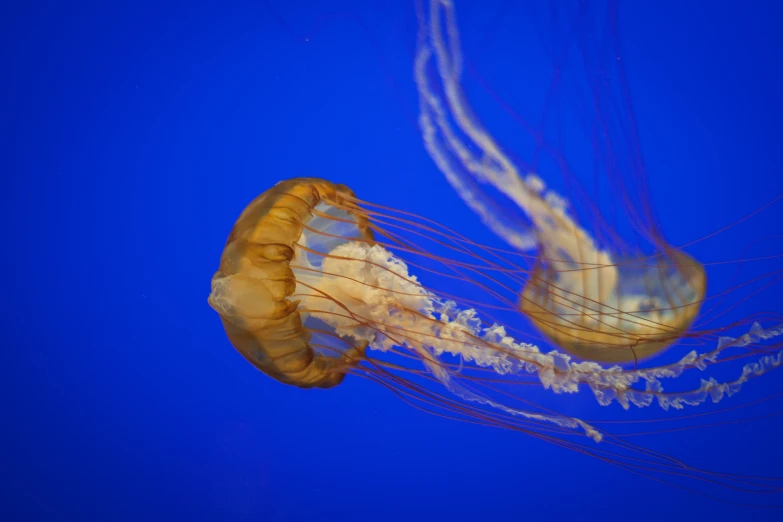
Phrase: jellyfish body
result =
(252, 288)
(617, 312)
(593, 302)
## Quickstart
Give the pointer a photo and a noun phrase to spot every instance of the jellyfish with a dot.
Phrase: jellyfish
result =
(316, 284)
(590, 301)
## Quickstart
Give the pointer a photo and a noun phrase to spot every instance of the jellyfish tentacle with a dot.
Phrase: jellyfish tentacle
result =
(390, 307)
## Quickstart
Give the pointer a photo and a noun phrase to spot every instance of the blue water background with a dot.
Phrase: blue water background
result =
(134, 134)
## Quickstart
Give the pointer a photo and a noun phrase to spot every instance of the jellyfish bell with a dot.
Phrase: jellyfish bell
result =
(614, 312)
(266, 263)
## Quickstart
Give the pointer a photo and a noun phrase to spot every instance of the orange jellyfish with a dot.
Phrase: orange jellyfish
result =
(315, 283)
(592, 302)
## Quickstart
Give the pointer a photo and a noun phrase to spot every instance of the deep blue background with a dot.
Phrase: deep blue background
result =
(132, 136)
